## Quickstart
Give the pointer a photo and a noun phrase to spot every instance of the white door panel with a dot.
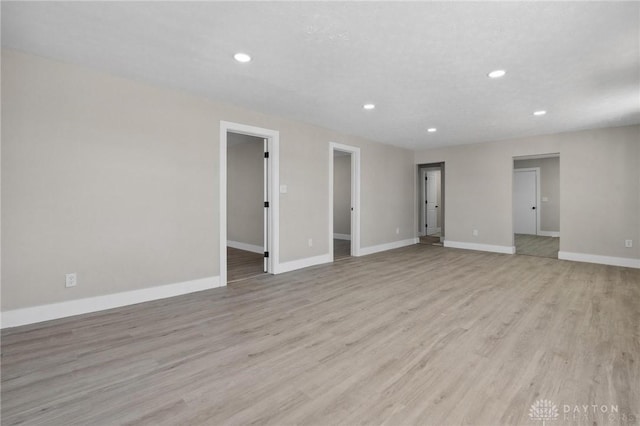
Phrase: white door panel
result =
(431, 197)
(266, 209)
(525, 202)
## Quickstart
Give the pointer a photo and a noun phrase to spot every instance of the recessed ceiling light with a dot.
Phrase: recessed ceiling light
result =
(497, 74)
(242, 57)
(432, 129)
(541, 112)
(368, 106)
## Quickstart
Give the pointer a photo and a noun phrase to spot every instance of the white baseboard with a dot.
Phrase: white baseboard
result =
(302, 263)
(480, 247)
(246, 247)
(603, 260)
(342, 236)
(554, 234)
(387, 246)
(17, 317)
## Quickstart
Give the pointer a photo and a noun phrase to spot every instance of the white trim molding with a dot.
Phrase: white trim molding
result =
(554, 234)
(341, 236)
(246, 247)
(388, 246)
(34, 314)
(302, 263)
(480, 247)
(603, 260)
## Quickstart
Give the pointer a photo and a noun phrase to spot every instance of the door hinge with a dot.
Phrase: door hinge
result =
(266, 155)
(266, 254)
(266, 204)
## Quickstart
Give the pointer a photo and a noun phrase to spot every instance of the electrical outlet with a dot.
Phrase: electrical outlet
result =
(310, 242)
(71, 280)
(628, 243)
(475, 232)
(398, 230)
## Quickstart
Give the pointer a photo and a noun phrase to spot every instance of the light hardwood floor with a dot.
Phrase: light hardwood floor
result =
(341, 249)
(242, 264)
(418, 335)
(535, 245)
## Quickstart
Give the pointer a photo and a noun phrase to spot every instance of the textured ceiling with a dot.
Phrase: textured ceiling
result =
(422, 64)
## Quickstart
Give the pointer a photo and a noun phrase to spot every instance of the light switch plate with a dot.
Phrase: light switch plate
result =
(283, 189)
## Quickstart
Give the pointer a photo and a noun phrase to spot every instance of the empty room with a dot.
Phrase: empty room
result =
(320, 213)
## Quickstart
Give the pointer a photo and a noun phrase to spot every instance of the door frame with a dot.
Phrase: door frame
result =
(355, 196)
(513, 219)
(273, 142)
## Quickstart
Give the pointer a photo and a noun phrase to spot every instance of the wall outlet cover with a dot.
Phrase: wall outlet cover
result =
(71, 280)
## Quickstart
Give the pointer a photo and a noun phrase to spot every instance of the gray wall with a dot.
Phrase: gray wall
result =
(245, 189)
(117, 180)
(549, 188)
(598, 211)
(342, 194)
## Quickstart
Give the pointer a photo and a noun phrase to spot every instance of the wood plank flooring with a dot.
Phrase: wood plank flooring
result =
(535, 245)
(341, 249)
(430, 239)
(243, 264)
(418, 335)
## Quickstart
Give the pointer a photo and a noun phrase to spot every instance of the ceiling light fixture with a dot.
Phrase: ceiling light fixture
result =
(541, 112)
(242, 57)
(497, 74)
(368, 106)
(432, 129)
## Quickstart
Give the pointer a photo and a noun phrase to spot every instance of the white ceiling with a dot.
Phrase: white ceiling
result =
(422, 64)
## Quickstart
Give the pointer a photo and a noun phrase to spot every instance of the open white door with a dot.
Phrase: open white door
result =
(431, 197)
(525, 201)
(266, 206)
(355, 196)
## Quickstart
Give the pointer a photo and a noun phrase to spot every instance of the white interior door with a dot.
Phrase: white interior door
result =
(525, 201)
(265, 239)
(431, 198)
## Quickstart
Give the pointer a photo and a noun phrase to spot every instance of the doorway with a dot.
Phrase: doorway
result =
(341, 204)
(536, 205)
(248, 201)
(431, 203)
(247, 216)
(344, 201)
